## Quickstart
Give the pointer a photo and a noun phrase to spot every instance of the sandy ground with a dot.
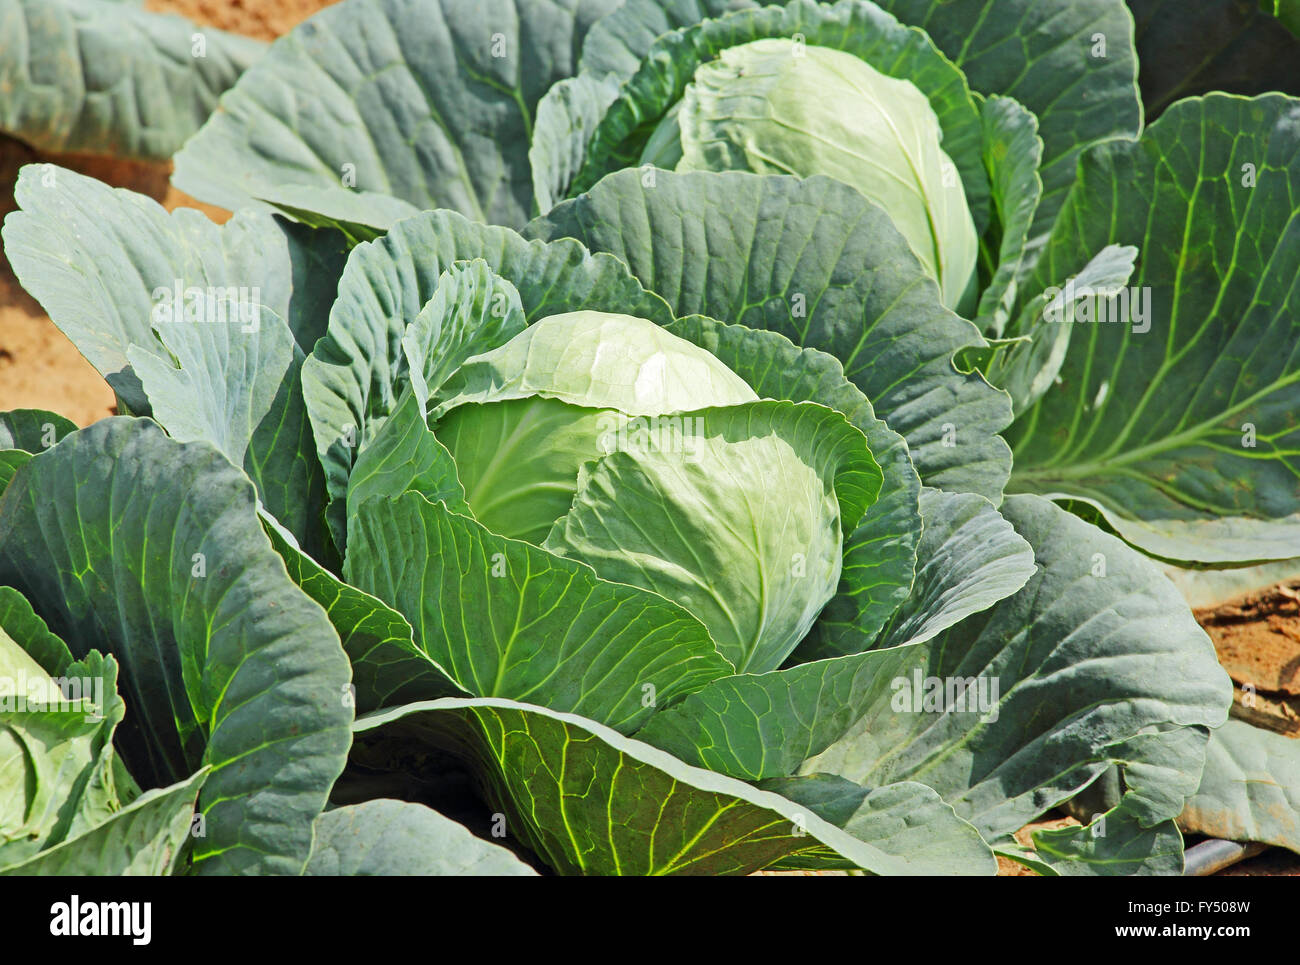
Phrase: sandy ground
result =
(1258, 639)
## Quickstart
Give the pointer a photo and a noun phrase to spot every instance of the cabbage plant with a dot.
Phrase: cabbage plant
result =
(581, 408)
(532, 526)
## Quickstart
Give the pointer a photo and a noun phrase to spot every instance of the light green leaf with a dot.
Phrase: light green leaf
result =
(743, 528)
(384, 837)
(758, 726)
(813, 260)
(905, 819)
(1095, 661)
(1250, 789)
(224, 661)
(52, 745)
(1180, 426)
(95, 77)
(506, 619)
(880, 553)
(969, 559)
(373, 110)
(147, 837)
(589, 801)
(602, 360)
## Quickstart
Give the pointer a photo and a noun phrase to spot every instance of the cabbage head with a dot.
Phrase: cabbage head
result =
(606, 439)
(776, 106)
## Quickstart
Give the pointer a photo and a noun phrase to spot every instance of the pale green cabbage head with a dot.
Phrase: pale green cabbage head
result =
(607, 439)
(777, 107)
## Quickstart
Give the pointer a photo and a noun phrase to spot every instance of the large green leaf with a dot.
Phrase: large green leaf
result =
(506, 619)
(384, 837)
(97, 77)
(147, 837)
(357, 372)
(1250, 789)
(404, 455)
(745, 531)
(758, 726)
(56, 755)
(1235, 46)
(388, 669)
(589, 801)
(1095, 661)
(1184, 435)
(189, 321)
(969, 559)
(813, 260)
(152, 550)
(375, 109)
(24, 432)
(905, 819)
(30, 632)
(880, 553)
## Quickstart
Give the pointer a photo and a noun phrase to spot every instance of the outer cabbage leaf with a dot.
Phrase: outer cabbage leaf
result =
(383, 837)
(1096, 661)
(589, 801)
(1184, 435)
(97, 77)
(373, 110)
(224, 662)
(1250, 789)
(969, 558)
(905, 819)
(507, 619)
(217, 361)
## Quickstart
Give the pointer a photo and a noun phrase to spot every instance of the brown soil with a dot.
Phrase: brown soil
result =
(1258, 640)
(264, 19)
